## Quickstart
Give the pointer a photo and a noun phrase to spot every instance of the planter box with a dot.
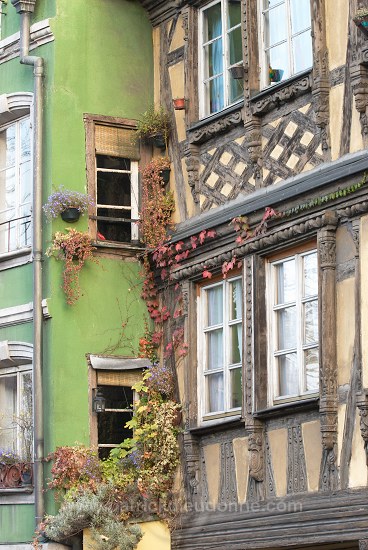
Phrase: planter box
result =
(16, 475)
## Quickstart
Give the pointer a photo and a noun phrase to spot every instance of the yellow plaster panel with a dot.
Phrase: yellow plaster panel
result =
(293, 161)
(278, 445)
(240, 140)
(340, 430)
(241, 455)
(291, 129)
(306, 138)
(225, 158)
(212, 180)
(212, 461)
(336, 110)
(356, 140)
(313, 452)
(345, 335)
(156, 536)
(180, 125)
(226, 189)
(178, 36)
(304, 109)
(337, 32)
(364, 295)
(358, 467)
(276, 152)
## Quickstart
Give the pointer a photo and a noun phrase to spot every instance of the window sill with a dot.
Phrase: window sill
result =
(218, 425)
(275, 96)
(286, 408)
(21, 495)
(117, 249)
(215, 124)
(15, 258)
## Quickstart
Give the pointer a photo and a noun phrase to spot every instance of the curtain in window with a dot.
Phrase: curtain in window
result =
(214, 55)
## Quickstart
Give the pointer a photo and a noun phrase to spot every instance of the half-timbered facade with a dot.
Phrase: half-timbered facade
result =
(275, 383)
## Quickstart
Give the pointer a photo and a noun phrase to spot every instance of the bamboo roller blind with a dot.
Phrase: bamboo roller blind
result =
(119, 378)
(115, 141)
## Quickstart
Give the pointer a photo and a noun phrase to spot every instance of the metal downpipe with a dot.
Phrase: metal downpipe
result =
(38, 72)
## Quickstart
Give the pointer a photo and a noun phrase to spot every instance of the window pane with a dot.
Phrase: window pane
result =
(9, 197)
(288, 375)
(8, 400)
(287, 328)
(25, 140)
(236, 89)
(113, 189)
(7, 147)
(235, 289)
(235, 46)
(111, 424)
(310, 275)
(213, 53)
(300, 15)
(215, 393)
(214, 306)
(311, 370)
(235, 344)
(311, 322)
(279, 63)
(112, 163)
(25, 226)
(25, 183)
(214, 349)
(234, 13)
(276, 24)
(25, 420)
(235, 388)
(286, 277)
(216, 91)
(212, 22)
(302, 52)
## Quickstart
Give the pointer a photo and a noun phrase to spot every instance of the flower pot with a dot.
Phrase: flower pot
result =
(158, 141)
(179, 103)
(237, 72)
(165, 175)
(70, 215)
(275, 74)
(27, 475)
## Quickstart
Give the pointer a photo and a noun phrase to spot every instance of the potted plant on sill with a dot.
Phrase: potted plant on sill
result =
(74, 249)
(14, 471)
(361, 19)
(155, 126)
(69, 204)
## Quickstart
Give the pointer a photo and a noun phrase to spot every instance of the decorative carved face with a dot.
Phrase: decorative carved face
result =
(361, 99)
(255, 457)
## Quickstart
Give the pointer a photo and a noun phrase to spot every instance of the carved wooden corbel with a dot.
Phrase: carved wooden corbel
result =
(253, 140)
(192, 164)
(359, 80)
(321, 82)
(328, 354)
(192, 460)
(362, 404)
(256, 454)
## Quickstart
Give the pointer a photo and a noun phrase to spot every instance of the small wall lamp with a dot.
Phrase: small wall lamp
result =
(98, 401)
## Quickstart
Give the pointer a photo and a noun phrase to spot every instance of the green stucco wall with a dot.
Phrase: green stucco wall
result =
(100, 62)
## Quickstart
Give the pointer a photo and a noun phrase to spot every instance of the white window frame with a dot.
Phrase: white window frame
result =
(264, 68)
(19, 246)
(272, 308)
(202, 351)
(133, 208)
(203, 96)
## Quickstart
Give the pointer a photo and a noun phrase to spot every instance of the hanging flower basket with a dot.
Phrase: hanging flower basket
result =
(165, 175)
(70, 215)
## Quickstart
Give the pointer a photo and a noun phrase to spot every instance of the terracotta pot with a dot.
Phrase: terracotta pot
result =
(70, 215)
(179, 103)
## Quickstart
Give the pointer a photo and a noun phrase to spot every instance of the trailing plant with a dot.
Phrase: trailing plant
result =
(94, 510)
(62, 199)
(74, 249)
(361, 14)
(157, 205)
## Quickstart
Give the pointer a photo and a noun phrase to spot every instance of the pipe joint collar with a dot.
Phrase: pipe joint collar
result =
(24, 6)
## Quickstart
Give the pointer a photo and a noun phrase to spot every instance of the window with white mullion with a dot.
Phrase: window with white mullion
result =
(220, 48)
(294, 325)
(285, 39)
(221, 333)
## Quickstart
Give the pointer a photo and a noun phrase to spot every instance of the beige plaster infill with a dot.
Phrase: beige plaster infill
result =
(156, 536)
(340, 430)
(212, 463)
(336, 110)
(364, 296)
(337, 31)
(358, 467)
(241, 455)
(176, 74)
(278, 444)
(178, 36)
(345, 307)
(313, 452)
(356, 139)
